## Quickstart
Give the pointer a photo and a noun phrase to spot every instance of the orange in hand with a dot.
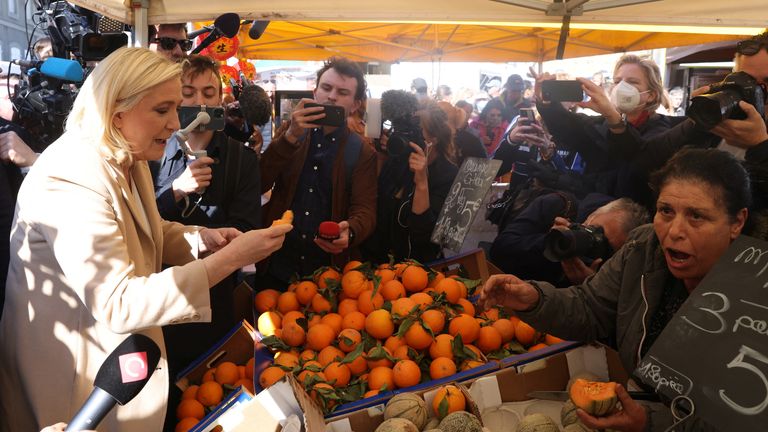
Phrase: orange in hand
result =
(287, 219)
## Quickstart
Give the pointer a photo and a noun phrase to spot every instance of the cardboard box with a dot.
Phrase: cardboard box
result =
(241, 410)
(236, 347)
(472, 263)
(504, 394)
(367, 420)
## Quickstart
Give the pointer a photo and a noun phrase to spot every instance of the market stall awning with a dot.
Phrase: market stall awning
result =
(394, 42)
(453, 30)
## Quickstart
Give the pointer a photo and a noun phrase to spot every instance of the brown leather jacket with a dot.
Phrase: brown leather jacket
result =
(281, 166)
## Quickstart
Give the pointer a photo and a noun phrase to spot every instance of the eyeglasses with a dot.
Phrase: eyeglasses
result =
(752, 46)
(168, 43)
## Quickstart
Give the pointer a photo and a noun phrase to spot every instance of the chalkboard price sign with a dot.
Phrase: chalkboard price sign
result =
(464, 201)
(715, 349)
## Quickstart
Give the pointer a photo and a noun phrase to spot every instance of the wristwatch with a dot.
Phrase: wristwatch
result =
(351, 236)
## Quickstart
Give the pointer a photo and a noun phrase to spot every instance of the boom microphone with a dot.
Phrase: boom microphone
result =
(398, 105)
(227, 25)
(257, 29)
(255, 105)
(55, 67)
(120, 378)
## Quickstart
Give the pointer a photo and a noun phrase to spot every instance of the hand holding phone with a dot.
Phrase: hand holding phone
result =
(334, 115)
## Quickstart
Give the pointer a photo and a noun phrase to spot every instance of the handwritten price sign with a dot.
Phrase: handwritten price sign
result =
(464, 201)
(715, 349)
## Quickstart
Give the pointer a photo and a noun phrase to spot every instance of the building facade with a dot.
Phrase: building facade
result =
(15, 29)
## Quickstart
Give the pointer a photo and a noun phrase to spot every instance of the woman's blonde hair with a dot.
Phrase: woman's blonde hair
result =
(652, 74)
(116, 85)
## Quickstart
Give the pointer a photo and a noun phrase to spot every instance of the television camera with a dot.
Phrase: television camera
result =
(48, 88)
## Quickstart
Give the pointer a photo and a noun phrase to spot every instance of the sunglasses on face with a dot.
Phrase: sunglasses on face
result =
(751, 47)
(168, 43)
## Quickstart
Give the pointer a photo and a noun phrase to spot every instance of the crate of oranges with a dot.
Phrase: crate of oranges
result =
(217, 381)
(353, 336)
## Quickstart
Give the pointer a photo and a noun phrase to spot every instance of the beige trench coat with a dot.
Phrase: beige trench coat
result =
(85, 272)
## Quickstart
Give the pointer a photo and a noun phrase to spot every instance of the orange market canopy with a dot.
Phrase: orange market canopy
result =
(456, 30)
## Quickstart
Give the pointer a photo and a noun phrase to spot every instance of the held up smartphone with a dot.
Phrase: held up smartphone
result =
(188, 113)
(528, 116)
(334, 115)
(562, 91)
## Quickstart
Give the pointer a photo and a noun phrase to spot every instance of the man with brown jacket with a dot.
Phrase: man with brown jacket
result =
(322, 173)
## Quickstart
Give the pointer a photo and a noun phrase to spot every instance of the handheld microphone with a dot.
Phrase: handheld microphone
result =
(55, 67)
(255, 105)
(120, 378)
(227, 25)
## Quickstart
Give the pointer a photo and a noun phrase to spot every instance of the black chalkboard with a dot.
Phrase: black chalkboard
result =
(715, 349)
(464, 201)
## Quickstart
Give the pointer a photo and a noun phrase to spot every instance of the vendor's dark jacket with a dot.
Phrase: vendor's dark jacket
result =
(615, 304)
(281, 167)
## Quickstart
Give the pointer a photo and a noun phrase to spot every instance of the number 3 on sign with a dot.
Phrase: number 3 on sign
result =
(739, 362)
(715, 312)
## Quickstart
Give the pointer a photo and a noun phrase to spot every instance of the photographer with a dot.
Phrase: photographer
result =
(414, 181)
(521, 247)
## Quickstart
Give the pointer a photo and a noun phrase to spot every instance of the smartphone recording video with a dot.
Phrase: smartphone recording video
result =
(334, 115)
(188, 113)
(562, 91)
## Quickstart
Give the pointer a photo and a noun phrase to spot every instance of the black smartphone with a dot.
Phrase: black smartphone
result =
(334, 115)
(188, 113)
(562, 91)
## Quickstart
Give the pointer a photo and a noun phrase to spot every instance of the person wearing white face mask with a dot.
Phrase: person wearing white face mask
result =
(637, 94)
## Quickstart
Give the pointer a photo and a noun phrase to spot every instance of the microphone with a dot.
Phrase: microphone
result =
(398, 105)
(255, 105)
(55, 67)
(120, 378)
(227, 25)
(257, 29)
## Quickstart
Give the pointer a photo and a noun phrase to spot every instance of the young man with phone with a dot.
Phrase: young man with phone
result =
(322, 171)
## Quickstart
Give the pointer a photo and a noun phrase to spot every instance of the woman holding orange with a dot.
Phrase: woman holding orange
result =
(701, 207)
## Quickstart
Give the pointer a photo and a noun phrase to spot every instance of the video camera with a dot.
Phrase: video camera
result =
(586, 241)
(48, 88)
(399, 108)
(722, 101)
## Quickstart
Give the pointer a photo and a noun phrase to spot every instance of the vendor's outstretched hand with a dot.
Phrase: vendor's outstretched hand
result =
(630, 418)
(509, 292)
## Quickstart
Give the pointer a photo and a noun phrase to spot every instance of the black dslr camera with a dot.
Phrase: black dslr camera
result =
(722, 101)
(399, 108)
(586, 241)
(402, 133)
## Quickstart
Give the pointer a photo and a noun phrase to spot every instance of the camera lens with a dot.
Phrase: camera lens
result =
(710, 109)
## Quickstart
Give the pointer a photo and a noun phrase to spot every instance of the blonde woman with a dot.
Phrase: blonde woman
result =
(88, 248)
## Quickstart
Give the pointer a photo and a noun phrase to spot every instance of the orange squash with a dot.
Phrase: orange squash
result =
(596, 398)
